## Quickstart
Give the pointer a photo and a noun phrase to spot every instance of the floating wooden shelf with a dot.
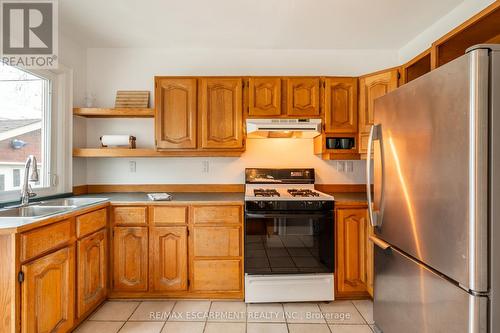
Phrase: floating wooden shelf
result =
(114, 113)
(148, 152)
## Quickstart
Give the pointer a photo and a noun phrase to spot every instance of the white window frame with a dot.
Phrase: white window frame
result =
(60, 162)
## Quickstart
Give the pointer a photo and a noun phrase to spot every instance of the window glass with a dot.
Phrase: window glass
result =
(16, 178)
(24, 125)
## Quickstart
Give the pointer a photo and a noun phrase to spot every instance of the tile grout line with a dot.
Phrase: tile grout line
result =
(206, 319)
(130, 316)
(364, 319)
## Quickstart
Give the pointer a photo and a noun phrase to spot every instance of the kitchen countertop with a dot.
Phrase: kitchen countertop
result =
(177, 197)
(350, 198)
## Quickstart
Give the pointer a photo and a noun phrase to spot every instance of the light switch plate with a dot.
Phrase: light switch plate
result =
(132, 166)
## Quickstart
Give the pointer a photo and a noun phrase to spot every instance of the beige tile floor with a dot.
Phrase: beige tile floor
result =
(198, 316)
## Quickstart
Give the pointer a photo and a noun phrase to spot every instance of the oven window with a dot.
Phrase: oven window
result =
(282, 245)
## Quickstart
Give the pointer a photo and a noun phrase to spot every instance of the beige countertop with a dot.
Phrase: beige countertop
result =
(177, 197)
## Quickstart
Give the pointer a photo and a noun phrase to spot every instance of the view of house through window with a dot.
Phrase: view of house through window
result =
(24, 126)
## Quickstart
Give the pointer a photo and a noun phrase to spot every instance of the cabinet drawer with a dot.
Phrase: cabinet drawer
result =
(42, 240)
(216, 214)
(217, 275)
(217, 241)
(129, 215)
(168, 215)
(90, 222)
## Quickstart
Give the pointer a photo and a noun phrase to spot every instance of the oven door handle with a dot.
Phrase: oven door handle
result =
(264, 216)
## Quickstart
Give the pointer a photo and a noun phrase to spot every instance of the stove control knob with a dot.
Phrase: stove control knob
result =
(262, 204)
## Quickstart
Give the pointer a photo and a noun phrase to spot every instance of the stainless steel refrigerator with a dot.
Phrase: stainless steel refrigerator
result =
(436, 201)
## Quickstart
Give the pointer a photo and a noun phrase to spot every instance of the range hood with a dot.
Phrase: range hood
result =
(283, 128)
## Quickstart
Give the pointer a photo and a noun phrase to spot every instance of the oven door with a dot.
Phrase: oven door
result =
(288, 242)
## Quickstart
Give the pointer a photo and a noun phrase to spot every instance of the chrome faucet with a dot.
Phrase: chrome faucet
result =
(26, 191)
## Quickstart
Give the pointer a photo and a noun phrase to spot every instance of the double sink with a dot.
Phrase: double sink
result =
(41, 209)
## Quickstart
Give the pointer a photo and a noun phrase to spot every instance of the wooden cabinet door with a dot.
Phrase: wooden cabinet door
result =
(341, 105)
(351, 245)
(212, 241)
(175, 113)
(217, 275)
(264, 96)
(168, 251)
(369, 260)
(370, 88)
(303, 97)
(48, 293)
(221, 108)
(92, 259)
(130, 258)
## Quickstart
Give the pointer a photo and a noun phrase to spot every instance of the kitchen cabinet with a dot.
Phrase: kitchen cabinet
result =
(216, 249)
(168, 253)
(92, 259)
(221, 113)
(130, 258)
(175, 117)
(303, 97)
(48, 293)
(341, 105)
(351, 252)
(369, 260)
(264, 96)
(372, 87)
(217, 275)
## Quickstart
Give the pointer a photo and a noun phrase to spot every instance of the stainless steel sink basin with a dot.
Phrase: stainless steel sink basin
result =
(33, 211)
(71, 202)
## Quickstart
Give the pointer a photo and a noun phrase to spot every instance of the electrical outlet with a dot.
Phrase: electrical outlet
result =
(340, 166)
(205, 166)
(349, 166)
(132, 166)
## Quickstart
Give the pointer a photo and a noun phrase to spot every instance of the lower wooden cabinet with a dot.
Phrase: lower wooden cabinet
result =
(92, 276)
(130, 258)
(184, 251)
(352, 253)
(48, 293)
(168, 255)
(217, 275)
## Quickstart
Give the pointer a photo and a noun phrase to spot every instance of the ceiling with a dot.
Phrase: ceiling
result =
(249, 24)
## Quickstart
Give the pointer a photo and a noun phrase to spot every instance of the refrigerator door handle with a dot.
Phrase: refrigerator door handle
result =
(380, 243)
(375, 216)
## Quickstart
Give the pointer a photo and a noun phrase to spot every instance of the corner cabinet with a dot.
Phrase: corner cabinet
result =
(92, 258)
(175, 118)
(372, 87)
(352, 256)
(48, 293)
(221, 113)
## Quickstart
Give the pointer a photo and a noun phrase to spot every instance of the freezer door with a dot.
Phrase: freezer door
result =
(431, 184)
(411, 298)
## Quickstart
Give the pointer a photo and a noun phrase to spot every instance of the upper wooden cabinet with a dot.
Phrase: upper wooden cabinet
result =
(221, 113)
(351, 243)
(48, 293)
(303, 96)
(264, 96)
(168, 255)
(372, 87)
(175, 116)
(130, 258)
(341, 105)
(92, 258)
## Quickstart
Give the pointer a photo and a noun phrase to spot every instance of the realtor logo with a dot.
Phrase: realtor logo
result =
(29, 33)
